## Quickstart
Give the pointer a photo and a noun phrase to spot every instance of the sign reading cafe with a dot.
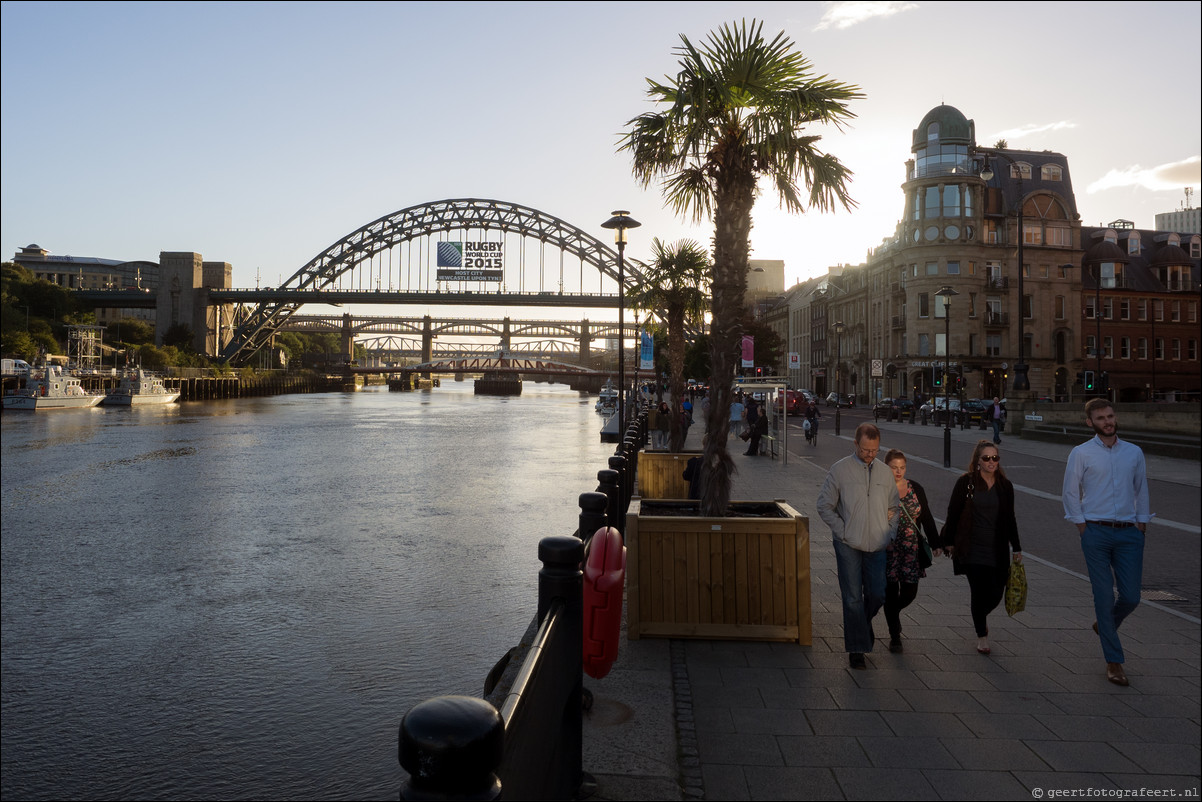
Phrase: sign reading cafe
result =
(470, 261)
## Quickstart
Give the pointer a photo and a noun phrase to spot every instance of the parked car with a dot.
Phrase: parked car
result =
(893, 408)
(796, 402)
(975, 409)
(840, 400)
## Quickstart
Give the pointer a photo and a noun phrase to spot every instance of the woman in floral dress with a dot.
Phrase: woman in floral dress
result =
(904, 567)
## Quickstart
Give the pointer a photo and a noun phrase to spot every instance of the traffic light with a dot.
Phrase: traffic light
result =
(936, 377)
(1089, 385)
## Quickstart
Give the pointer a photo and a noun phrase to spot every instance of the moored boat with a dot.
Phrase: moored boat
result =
(138, 388)
(52, 389)
(608, 402)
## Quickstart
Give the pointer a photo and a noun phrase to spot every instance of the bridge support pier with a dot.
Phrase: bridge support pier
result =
(427, 342)
(348, 339)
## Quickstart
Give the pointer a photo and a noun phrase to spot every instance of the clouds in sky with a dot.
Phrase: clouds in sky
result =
(846, 14)
(1030, 129)
(1175, 175)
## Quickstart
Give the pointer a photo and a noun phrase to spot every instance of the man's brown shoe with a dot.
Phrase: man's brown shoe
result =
(1114, 673)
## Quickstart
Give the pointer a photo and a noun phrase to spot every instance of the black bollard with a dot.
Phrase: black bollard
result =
(625, 483)
(593, 513)
(561, 578)
(451, 746)
(607, 483)
(913, 415)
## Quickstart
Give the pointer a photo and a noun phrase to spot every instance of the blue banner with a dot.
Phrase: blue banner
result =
(646, 352)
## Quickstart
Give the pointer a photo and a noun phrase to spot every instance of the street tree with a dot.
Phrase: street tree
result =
(739, 110)
(674, 285)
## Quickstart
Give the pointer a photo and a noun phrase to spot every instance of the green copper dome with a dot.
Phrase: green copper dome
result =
(951, 127)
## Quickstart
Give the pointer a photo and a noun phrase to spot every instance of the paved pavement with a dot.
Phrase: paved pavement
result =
(687, 719)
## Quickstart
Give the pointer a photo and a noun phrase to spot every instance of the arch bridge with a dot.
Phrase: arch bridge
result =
(462, 252)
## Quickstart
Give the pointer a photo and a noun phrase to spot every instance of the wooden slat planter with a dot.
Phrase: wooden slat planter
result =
(660, 474)
(744, 578)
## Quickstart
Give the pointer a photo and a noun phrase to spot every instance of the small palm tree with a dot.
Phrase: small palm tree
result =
(735, 112)
(674, 285)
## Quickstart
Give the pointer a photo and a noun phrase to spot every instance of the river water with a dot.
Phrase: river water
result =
(240, 599)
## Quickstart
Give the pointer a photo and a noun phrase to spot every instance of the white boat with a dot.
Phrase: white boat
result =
(138, 388)
(52, 389)
(608, 402)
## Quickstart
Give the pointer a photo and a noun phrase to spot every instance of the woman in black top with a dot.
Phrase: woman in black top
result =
(979, 533)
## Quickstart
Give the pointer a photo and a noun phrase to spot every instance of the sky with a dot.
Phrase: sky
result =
(260, 133)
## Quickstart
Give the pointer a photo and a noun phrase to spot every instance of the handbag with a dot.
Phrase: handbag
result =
(1016, 588)
(746, 433)
(926, 557)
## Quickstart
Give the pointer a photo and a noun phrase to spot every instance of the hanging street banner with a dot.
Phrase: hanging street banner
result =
(646, 352)
(748, 351)
(470, 261)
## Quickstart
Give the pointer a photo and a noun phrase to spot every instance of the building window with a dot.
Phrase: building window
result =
(931, 204)
(1176, 318)
(968, 207)
(1158, 310)
(991, 232)
(932, 133)
(1158, 348)
(1195, 248)
(924, 304)
(1193, 312)
(1124, 347)
(972, 304)
(1133, 243)
(993, 311)
(1176, 348)
(1091, 348)
(1060, 307)
(1032, 233)
(1020, 170)
(1193, 350)
(993, 345)
(953, 268)
(1043, 271)
(924, 345)
(951, 201)
(1050, 172)
(932, 268)
(1091, 310)
(1108, 346)
(1108, 309)
(972, 344)
(1062, 271)
(1124, 308)
(1027, 308)
(1059, 237)
(1142, 313)
(1142, 351)
(940, 344)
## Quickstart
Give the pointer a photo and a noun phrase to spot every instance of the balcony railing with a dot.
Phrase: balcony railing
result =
(898, 321)
(997, 319)
(998, 283)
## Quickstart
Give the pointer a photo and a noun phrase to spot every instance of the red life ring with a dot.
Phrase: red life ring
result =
(604, 579)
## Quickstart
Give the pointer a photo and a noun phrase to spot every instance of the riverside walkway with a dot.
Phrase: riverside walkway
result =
(689, 719)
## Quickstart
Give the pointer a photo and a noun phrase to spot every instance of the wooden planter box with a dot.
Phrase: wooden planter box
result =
(741, 578)
(660, 474)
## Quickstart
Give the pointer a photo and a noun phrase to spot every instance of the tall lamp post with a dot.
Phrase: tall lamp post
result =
(1022, 383)
(621, 221)
(839, 329)
(947, 293)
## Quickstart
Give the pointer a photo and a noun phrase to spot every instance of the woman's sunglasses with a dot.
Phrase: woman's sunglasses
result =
(994, 458)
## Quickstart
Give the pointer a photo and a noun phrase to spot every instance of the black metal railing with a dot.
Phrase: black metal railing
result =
(526, 739)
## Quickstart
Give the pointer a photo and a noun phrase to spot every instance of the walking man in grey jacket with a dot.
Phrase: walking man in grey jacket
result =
(859, 502)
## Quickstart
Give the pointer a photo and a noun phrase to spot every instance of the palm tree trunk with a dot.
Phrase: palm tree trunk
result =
(675, 322)
(732, 227)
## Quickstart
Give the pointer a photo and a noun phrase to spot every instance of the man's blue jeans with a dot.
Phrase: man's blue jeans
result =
(997, 430)
(1114, 557)
(862, 586)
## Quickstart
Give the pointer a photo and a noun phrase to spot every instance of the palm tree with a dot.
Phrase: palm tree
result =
(737, 110)
(674, 285)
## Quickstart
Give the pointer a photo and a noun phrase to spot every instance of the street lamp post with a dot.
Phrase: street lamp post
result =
(621, 221)
(1021, 381)
(947, 293)
(839, 328)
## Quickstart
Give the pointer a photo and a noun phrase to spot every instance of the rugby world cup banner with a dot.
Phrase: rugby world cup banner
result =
(470, 261)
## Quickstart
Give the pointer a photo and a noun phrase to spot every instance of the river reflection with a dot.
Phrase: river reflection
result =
(240, 599)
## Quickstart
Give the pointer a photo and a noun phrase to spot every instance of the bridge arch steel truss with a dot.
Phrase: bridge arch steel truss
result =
(255, 330)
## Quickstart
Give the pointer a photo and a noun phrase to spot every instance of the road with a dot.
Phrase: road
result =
(1172, 565)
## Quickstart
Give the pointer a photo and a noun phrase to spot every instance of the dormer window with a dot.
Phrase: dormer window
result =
(933, 132)
(1020, 170)
(1050, 172)
(1133, 243)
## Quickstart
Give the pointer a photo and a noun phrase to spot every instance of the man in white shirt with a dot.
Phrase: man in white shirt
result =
(1106, 495)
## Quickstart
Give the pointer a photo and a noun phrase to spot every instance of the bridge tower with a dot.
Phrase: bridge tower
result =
(586, 342)
(506, 338)
(348, 338)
